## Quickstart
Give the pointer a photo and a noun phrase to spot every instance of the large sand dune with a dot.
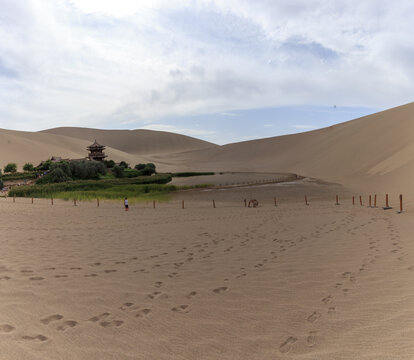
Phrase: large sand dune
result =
(375, 152)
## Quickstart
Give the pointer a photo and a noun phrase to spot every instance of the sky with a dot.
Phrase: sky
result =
(219, 70)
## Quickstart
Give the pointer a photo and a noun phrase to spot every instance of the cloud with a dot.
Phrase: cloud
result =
(177, 129)
(305, 127)
(105, 63)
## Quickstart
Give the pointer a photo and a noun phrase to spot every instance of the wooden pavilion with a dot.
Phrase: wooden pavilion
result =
(96, 152)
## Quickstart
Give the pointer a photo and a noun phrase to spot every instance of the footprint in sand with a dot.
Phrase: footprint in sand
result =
(183, 309)
(35, 338)
(331, 310)
(99, 317)
(220, 289)
(158, 284)
(327, 299)
(143, 312)
(36, 278)
(109, 271)
(113, 323)
(75, 268)
(5, 278)
(61, 276)
(157, 295)
(287, 345)
(66, 325)
(191, 294)
(49, 319)
(313, 317)
(311, 340)
(90, 275)
(126, 305)
(6, 328)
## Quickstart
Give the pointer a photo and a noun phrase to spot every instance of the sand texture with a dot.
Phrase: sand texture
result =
(287, 282)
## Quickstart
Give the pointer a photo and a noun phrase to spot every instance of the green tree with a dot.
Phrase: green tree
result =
(28, 167)
(118, 171)
(139, 166)
(124, 164)
(109, 163)
(55, 176)
(10, 168)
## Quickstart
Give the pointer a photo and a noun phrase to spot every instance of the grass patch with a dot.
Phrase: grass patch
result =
(19, 176)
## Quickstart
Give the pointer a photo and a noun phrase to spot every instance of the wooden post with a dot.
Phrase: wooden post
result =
(51, 201)
(275, 201)
(153, 204)
(32, 200)
(97, 202)
(360, 199)
(353, 200)
(245, 202)
(182, 204)
(214, 204)
(306, 200)
(14, 198)
(387, 205)
(401, 204)
(375, 200)
(337, 200)
(74, 202)
(369, 201)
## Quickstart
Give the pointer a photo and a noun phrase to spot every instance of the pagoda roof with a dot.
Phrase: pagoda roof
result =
(96, 145)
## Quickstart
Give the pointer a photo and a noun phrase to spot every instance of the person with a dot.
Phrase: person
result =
(126, 204)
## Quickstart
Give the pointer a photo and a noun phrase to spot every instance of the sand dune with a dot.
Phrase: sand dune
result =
(373, 152)
(140, 142)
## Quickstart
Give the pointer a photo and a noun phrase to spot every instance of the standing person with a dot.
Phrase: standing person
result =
(126, 204)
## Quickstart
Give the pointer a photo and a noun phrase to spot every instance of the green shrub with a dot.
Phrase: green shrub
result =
(55, 176)
(28, 167)
(118, 171)
(10, 168)
(124, 164)
(109, 164)
(44, 165)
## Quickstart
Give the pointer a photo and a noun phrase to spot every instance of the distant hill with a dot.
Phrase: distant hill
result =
(135, 141)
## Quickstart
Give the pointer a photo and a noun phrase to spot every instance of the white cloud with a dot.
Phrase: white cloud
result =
(177, 129)
(305, 127)
(103, 63)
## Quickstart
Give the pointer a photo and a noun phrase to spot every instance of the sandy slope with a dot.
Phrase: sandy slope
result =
(288, 282)
(374, 152)
(140, 142)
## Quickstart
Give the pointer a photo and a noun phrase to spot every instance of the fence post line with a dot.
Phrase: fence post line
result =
(375, 200)
(360, 199)
(353, 200)
(97, 202)
(337, 200)
(153, 204)
(401, 204)
(369, 201)
(214, 204)
(14, 198)
(245, 202)
(275, 201)
(306, 200)
(51, 201)
(182, 204)
(387, 205)
(32, 200)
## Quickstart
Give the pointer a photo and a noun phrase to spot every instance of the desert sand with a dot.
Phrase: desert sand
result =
(287, 282)
(292, 281)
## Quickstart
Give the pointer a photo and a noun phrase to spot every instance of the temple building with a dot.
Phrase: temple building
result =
(96, 152)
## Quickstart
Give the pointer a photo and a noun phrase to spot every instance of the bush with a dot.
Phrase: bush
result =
(55, 176)
(1, 184)
(109, 164)
(10, 168)
(84, 169)
(139, 166)
(146, 169)
(124, 164)
(64, 166)
(118, 171)
(45, 165)
(28, 167)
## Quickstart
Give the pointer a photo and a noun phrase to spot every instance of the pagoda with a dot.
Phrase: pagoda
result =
(96, 152)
